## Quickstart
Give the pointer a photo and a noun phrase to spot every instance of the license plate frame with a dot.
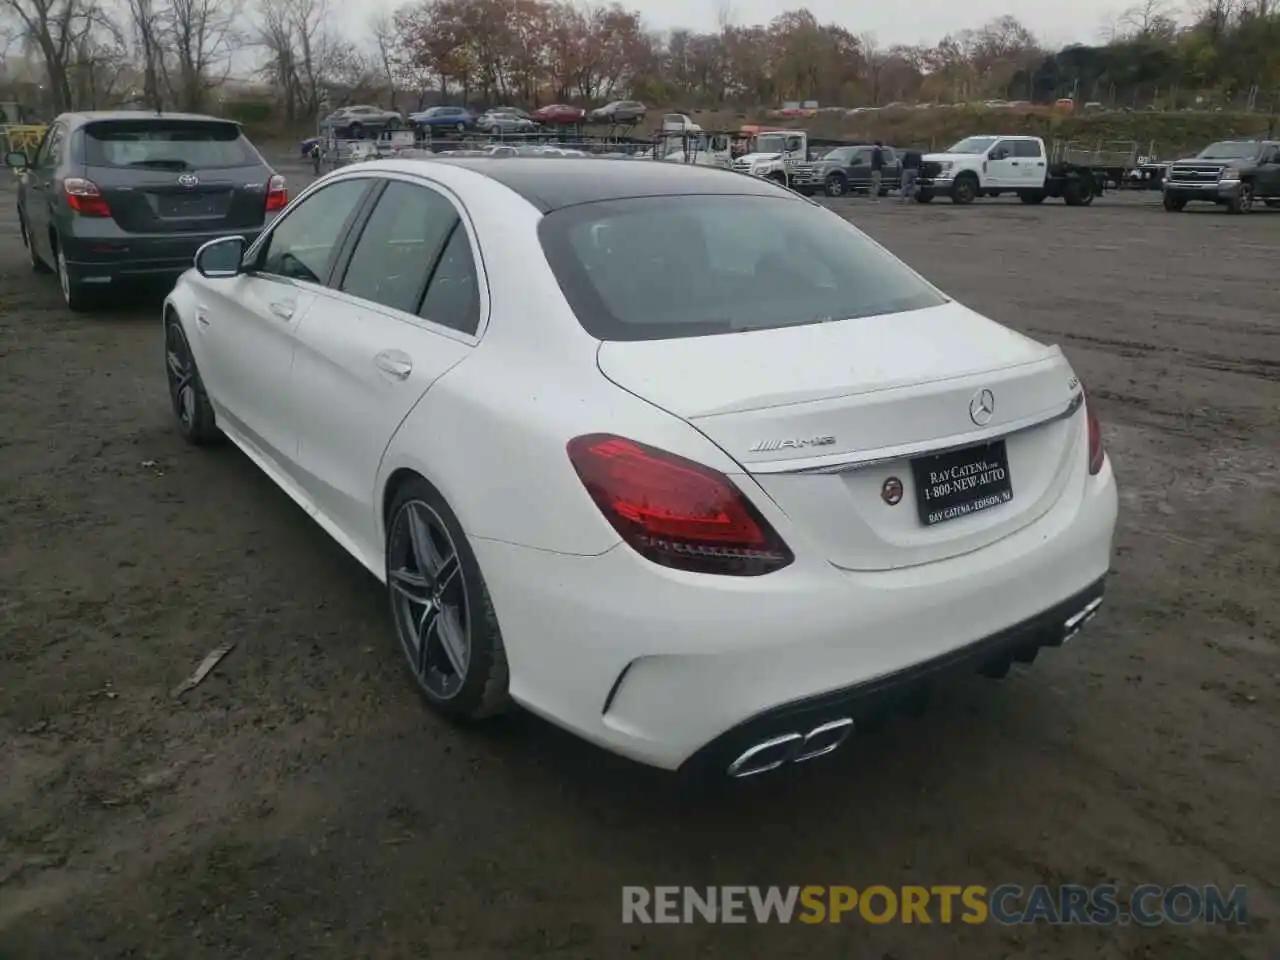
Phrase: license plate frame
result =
(959, 483)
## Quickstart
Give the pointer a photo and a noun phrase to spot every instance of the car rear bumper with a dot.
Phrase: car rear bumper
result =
(680, 670)
(104, 259)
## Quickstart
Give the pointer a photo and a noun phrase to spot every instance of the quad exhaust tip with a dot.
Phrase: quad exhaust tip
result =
(1077, 620)
(791, 748)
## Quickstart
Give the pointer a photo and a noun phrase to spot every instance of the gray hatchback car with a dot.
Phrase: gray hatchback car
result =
(118, 196)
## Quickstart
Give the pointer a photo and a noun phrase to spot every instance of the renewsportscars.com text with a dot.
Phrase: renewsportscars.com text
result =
(1145, 905)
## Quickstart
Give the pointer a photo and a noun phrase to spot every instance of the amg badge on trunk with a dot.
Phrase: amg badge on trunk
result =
(764, 446)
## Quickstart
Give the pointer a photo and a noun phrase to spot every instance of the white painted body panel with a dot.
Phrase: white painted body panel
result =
(485, 419)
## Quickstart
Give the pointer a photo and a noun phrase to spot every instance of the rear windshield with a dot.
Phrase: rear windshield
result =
(665, 267)
(167, 145)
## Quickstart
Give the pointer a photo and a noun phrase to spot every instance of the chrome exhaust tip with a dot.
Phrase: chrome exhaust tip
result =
(822, 740)
(765, 756)
(791, 748)
(1077, 620)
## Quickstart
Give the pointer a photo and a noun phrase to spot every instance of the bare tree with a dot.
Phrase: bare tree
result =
(147, 35)
(57, 30)
(383, 29)
(301, 55)
(201, 35)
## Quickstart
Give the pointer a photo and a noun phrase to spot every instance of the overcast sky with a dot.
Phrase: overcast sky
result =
(915, 21)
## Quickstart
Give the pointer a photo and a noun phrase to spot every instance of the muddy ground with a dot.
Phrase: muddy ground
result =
(302, 802)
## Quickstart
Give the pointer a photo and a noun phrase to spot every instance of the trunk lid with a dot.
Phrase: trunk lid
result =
(824, 416)
(172, 175)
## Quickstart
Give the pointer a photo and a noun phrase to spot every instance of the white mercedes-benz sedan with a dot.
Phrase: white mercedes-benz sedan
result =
(671, 456)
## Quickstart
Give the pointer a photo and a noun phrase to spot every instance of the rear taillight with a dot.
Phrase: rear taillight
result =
(84, 197)
(1097, 453)
(277, 195)
(675, 512)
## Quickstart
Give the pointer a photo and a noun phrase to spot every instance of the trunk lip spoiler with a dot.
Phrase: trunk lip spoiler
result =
(845, 462)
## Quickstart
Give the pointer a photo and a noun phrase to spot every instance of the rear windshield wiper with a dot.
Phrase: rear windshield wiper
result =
(162, 164)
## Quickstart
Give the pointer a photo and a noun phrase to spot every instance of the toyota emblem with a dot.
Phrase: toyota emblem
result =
(188, 180)
(982, 407)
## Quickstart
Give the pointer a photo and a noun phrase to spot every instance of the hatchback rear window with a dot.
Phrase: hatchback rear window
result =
(659, 268)
(167, 145)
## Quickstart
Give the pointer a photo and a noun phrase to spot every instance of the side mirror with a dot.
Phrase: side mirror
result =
(15, 160)
(998, 154)
(221, 258)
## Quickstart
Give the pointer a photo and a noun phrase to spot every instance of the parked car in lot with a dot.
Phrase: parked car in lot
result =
(1230, 173)
(558, 114)
(502, 121)
(360, 121)
(703, 570)
(847, 169)
(112, 197)
(442, 118)
(619, 111)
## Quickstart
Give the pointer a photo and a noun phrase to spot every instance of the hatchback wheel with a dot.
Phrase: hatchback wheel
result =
(186, 390)
(38, 265)
(441, 609)
(74, 293)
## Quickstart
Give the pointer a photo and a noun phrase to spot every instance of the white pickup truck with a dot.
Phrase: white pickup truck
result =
(989, 165)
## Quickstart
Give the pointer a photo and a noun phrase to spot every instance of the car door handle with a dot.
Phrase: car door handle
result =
(1013, 163)
(284, 309)
(394, 362)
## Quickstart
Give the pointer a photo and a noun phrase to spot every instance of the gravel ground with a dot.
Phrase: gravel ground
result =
(302, 802)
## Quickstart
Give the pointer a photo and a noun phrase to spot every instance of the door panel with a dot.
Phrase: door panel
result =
(245, 340)
(1002, 173)
(358, 373)
(365, 358)
(245, 326)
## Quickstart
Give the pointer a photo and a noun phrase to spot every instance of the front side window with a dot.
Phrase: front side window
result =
(399, 244)
(665, 267)
(301, 246)
(972, 145)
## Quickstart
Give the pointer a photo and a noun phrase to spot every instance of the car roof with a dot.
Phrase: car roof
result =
(91, 116)
(550, 183)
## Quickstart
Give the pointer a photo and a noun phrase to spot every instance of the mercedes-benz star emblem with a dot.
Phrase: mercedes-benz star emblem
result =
(188, 180)
(982, 407)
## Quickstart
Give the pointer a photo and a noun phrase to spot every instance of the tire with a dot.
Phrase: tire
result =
(964, 190)
(74, 294)
(190, 402)
(37, 265)
(924, 196)
(1074, 193)
(1174, 203)
(1242, 202)
(1031, 197)
(393, 123)
(836, 185)
(460, 127)
(423, 533)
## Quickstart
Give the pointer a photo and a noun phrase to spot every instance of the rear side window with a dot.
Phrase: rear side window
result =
(658, 268)
(167, 145)
(400, 243)
(1026, 148)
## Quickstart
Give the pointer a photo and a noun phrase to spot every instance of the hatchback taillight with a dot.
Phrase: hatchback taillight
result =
(1097, 453)
(84, 197)
(675, 512)
(277, 195)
